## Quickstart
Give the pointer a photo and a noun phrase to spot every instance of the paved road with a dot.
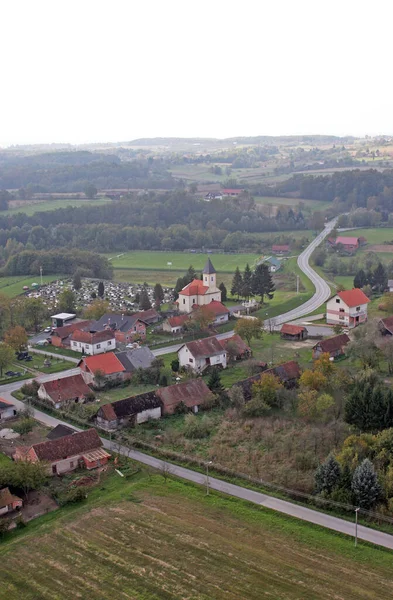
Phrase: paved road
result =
(8, 388)
(282, 506)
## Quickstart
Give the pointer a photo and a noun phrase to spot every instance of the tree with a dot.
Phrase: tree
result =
(307, 403)
(223, 292)
(327, 476)
(67, 301)
(101, 289)
(247, 282)
(99, 377)
(16, 337)
(5, 198)
(203, 317)
(262, 283)
(360, 279)
(380, 278)
(144, 302)
(34, 312)
(96, 310)
(237, 284)
(90, 191)
(24, 475)
(236, 397)
(158, 294)
(249, 328)
(77, 280)
(214, 382)
(314, 380)
(6, 356)
(365, 486)
(175, 365)
(267, 389)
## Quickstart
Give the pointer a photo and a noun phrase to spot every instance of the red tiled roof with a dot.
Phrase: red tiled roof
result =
(69, 445)
(66, 388)
(280, 247)
(353, 297)
(347, 241)
(107, 363)
(216, 307)
(195, 288)
(237, 342)
(92, 338)
(292, 329)
(108, 412)
(178, 321)
(192, 393)
(66, 330)
(334, 343)
(206, 347)
(286, 371)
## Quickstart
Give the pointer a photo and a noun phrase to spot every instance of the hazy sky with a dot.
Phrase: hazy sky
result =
(88, 70)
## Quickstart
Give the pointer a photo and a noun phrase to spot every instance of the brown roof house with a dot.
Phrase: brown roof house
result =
(293, 332)
(334, 346)
(108, 366)
(175, 324)
(201, 354)
(192, 394)
(92, 343)
(236, 348)
(82, 449)
(9, 502)
(130, 411)
(288, 373)
(65, 390)
(61, 336)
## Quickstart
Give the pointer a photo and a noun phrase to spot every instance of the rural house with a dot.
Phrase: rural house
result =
(99, 369)
(130, 411)
(149, 317)
(125, 328)
(137, 358)
(92, 343)
(62, 318)
(386, 325)
(348, 244)
(9, 502)
(280, 248)
(293, 332)
(200, 292)
(7, 410)
(192, 394)
(231, 192)
(218, 310)
(61, 336)
(60, 431)
(175, 324)
(65, 390)
(235, 348)
(347, 308)
(334, 346)
(288, 373)
(200, 354)
(273, 264)
(81, 449)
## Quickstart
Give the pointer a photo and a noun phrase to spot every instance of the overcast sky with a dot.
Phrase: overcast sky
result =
(115, 70)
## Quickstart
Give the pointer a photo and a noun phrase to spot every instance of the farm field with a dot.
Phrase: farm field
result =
(376, 235)
(30, 208)
(145, 539)
(158, 261)
(13, 286)
(308, 204)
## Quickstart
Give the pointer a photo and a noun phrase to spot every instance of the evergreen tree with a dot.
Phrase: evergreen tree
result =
(380, 279)
(77, 280)
(214, 382)
(327, 476)
(223, 292)
(178, 287)
(144, 302)
(365, 485)
(360, 279)
(346, 478)
(101, 289)
(237, 283)
(247, 282)
(158, 294)
(190, 275)
(262, 283)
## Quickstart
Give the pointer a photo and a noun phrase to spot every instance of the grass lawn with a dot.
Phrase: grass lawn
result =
(4, 459)
(118, 393)
(56, 366)
(30, 208)
(49, 349)
(376, 235)
(166, 278)
(140, 538)
(13, 286)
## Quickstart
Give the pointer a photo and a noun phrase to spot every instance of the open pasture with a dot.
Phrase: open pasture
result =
(180, 261)
(30, 208)
(149, 540)
(376, 235)
(293, 202)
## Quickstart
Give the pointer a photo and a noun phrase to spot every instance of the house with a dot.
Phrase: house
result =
(217, 310)
(235, 348)
(200, 292)
(348, 244)
(347, 308)
(212, 196)
(280, 248)
(81, 449)
(293, 332)
(64, 391)
(231, 192)
(200, 354)
(273, 263)
(238, 310)
(175, 324)
(60, 431)
(130, 411)
(61, 336)
(92, 343)
(193, 393)
(107, 365)
(7, 410)
(61, 319)
(288, 373)
(149, 317)
(386, 326)
(334, 346)
(137, 358)
(9, 502)
(126, 328)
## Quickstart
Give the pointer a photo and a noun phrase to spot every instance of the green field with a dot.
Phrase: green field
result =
(13, 286)
(158, 261)
(30, 208)
(376, 235)
(294, 202)
(143, 539)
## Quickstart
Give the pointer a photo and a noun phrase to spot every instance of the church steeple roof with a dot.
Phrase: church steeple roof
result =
(208, 269)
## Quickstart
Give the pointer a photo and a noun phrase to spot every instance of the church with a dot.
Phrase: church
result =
(200, 292)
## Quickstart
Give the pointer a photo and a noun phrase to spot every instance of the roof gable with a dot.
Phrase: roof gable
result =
(87, 337)
(69, 445)
(334, 343)
(195, 288)
(292, 329)
(130, 406)
(66, 388)
(205, 347)
(107, 363)
(353, 297)
(192, 393)
(138, 358)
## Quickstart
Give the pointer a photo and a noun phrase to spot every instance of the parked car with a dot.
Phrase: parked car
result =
(10, 373)
(42, 343)
(22, 355)
(48, 330)
(28, 358)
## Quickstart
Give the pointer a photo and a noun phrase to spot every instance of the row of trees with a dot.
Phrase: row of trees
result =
(258, 282)
(66, 262)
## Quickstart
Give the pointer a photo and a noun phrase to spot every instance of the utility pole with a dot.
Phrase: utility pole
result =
(207, 477)
(356, 526)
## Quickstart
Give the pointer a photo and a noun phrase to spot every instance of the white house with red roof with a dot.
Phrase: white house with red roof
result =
(347, 308)
(200, 292)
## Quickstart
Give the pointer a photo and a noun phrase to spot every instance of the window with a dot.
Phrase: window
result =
(358, 308)
(191, 360)
(341, 317)
(341, 310)
(74, 343)
(184, 300)
(338, 300)
(110, 343)
(98, 346)
(193, 301)
(71, 464)
(211, 278)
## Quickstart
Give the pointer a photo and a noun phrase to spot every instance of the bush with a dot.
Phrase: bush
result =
(30, 389)
(75, 495)
(196, 428)
(181, 409)
(175, 365)
(24, 426)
